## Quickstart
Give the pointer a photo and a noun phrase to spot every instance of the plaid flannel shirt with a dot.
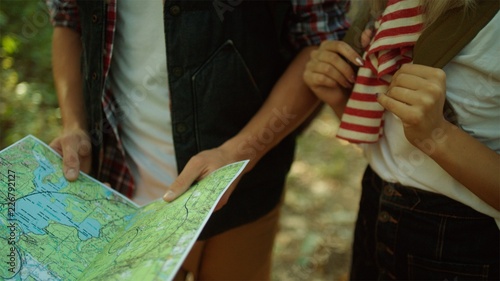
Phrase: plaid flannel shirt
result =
(313, 22)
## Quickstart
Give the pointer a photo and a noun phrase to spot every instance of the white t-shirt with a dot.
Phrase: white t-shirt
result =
(473, 89)
(139, 81)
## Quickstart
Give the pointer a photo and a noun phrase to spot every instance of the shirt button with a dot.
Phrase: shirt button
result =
(175, 10)
(384, 216)
(181, 128)
(95, 18)
(177, 71)
(94, 75)
(97, 127)
(388, 190)
(381, 246)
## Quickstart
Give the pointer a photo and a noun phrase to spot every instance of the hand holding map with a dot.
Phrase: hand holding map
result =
(52, 229)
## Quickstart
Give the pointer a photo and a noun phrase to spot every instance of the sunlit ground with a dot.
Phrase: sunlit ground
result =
(321, 205)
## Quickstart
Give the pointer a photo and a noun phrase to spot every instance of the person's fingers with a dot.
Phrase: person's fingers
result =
(315, 80)
(71, 161)
(179, 186)
(332, 59)
(336, 67)
(329, 72)
(425, 72)
(85, 153)
(225, 197)
(76, 150)
(404, 95)
(366, 37)
(56, 145)
(84, 147)
(343, 49)
(193, 171)
(402, 110)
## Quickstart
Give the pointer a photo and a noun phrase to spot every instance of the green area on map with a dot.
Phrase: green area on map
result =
(52, 229)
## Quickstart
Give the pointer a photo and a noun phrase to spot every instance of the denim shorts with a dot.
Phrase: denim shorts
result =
(403, 233)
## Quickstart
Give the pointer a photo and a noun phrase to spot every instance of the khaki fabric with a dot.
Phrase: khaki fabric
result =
(243, 253)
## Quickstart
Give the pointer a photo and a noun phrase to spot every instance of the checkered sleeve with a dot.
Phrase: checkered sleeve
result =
(64, 13)
(317, 20)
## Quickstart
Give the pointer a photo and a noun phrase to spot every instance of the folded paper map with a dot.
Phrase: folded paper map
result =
(52, 229)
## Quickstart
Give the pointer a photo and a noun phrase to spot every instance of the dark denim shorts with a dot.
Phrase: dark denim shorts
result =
(403, 233)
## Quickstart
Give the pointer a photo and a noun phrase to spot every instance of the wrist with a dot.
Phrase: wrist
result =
(437, 141)
(79, 127)
(244, 147)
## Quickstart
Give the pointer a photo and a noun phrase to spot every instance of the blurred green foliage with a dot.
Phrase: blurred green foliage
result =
(28, 103)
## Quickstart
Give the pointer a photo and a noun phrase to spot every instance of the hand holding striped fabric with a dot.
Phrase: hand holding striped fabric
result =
(397, 30)
(416, 95)
(329, 74)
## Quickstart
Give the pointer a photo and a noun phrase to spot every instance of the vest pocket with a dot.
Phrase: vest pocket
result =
(425, 269)
(225, 96)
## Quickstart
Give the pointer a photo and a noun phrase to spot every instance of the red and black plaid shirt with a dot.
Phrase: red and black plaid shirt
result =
(314, 22)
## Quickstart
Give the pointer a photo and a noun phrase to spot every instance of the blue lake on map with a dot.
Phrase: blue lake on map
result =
(46, 204)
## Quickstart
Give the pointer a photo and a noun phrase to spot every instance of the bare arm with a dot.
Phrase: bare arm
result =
(74, 143)
(470, 162)
(288, 105)
(66, 50)
(416, 95)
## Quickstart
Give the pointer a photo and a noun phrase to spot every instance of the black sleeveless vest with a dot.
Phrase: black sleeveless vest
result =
(223, 58)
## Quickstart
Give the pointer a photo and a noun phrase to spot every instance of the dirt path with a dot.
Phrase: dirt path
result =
(321, 205)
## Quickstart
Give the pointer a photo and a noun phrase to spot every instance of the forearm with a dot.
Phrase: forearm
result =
(66, 53)
(288, 105)
(468, 161)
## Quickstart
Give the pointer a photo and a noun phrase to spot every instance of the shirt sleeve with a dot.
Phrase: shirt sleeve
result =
(317, 20)
(64, 13)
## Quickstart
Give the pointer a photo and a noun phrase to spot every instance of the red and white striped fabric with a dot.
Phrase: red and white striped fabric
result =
(396, 32)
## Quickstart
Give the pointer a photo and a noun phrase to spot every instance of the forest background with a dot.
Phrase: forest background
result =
(322, 190)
